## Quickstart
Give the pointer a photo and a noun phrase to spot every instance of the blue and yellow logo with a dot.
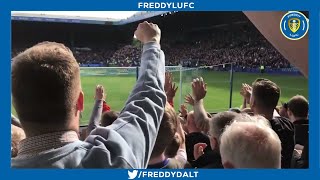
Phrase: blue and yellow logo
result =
(294, 25)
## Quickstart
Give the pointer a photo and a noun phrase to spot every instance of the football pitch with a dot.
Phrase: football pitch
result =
(119, 87)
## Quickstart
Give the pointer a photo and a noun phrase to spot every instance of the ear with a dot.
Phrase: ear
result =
(228, 165)
(214, 143)
(289, 112)
(80, 102)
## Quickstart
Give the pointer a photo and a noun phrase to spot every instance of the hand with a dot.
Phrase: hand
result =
(199, 89)
(168, 81)
(246, 92)
(100, 93)
(189, 100)
(147, 32)
(183, 110)
(171, 93)
(198, 150)
(169, 86)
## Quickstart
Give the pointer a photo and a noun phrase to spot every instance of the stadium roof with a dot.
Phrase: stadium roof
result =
(86, 17)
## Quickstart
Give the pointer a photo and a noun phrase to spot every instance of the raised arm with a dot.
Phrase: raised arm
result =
(170, 88)
(199, 90)
(129, 141)
(200, 116)
(97, 109)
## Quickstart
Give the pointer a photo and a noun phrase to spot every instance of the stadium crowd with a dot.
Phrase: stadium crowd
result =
(245, 50)
(123, 56)
(147, 133)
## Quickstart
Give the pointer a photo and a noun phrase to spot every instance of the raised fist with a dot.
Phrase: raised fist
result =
(147, 32)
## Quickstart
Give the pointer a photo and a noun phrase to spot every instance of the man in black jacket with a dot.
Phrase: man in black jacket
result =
(264, 99)
(298, 108)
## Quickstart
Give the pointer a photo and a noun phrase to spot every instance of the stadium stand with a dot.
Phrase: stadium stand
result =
(199, 40)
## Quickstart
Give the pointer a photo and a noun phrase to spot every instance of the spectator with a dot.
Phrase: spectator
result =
(194, 136)
(101, 113)
(250, 144)
(298, 110)
(217, 125)
(177, 148)
(199, 122)
(166, 134)
(283, 110)
(97, 109)
(263, 101)
(173, 147)
(212, 159)
(199, 91)
(181, 154)
(47, 73)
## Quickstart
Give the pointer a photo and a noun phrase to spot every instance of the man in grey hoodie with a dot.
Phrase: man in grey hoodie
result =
(47, 95)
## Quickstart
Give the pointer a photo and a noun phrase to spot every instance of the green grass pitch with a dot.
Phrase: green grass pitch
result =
(217, 99)
(119, 87)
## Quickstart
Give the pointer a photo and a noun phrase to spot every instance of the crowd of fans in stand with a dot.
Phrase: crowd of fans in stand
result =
(246, 50)
(147, 133)
(125, 56)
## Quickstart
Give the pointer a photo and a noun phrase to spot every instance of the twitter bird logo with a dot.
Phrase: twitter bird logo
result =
(132, 174)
